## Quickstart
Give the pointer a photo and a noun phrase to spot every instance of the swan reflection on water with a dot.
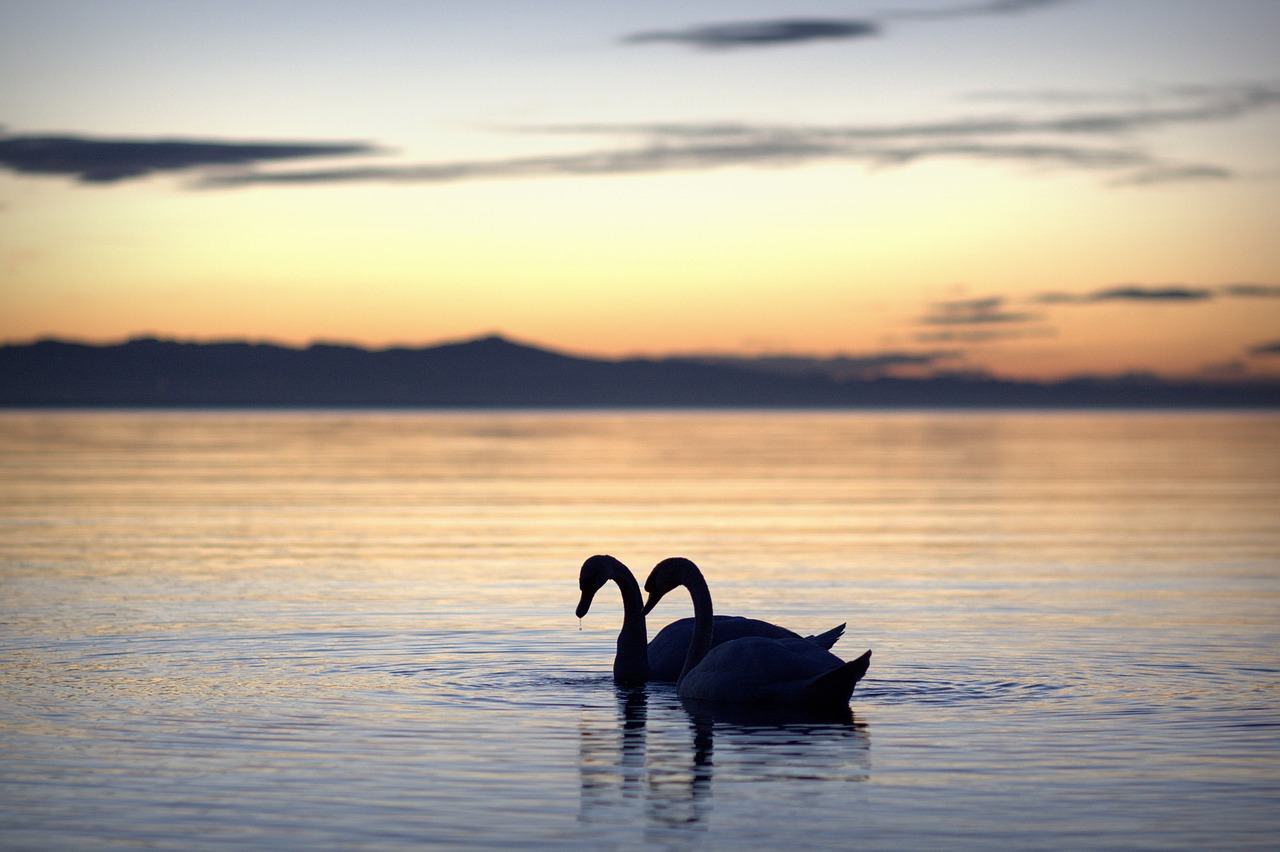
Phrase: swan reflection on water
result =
(656, 760)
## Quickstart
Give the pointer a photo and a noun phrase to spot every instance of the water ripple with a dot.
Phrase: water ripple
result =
(939, 691)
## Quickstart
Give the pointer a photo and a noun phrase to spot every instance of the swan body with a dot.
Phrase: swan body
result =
(751, 670)
(669, 648)
(664, 657)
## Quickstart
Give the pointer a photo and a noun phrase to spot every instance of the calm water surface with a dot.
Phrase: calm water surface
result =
(355, 630)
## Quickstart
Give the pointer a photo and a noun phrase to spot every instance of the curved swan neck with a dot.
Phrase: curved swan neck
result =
(703, 619)
(631, 664)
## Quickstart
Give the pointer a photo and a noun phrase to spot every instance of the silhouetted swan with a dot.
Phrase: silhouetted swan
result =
(754, 670)
(663, 658)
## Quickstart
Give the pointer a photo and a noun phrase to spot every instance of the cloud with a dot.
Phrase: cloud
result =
(1161, 293)
(92, 160)
(1180, 105)
(978, 336)
(1092, 139)
(996, 7)
(1262, 291)
(1130, 293)
(978, 321)
(986, 311)
(1098, 140)
(647, 159)
(1271, 348)
(1175, 105)
(1176, 174)
(765, 149)
(760, 33)
(963, 323)
(783, 31)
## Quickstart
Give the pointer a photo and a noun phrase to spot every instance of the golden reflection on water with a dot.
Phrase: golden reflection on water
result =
(347, 594)
(826, 516)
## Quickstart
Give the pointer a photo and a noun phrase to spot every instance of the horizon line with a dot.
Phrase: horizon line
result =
(727, 359)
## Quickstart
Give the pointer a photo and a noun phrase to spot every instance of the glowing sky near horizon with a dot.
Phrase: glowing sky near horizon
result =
(1034, 188)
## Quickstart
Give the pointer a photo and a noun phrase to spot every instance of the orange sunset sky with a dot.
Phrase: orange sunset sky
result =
(1030, 188)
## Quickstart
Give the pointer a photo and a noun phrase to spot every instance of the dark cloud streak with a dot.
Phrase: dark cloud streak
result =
(1175, 293)
(760, 33)
(787, 31)
(91, 160)
(1129, 293)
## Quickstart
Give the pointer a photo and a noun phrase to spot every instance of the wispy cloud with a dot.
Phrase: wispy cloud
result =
(93, 160)
(765, 149)
(1251, 291)
(973, 322)
(970, 322)
(1090, 139)
(1140, 110)
(986, 311)
(1177, 293)
(760, 33)
(962, 325)
(1101, 140)
(979, 336)
(1129, 293)
(996, 7)
(638, 160)
(1174, 106)
(1095, 140)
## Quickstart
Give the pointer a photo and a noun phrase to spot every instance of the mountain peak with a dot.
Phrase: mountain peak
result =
(493, 371)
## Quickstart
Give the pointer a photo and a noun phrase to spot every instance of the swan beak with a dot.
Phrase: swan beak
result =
(584, 603)
(654, 597)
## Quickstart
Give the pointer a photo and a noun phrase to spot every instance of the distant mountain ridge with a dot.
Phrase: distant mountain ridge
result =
(494, 372)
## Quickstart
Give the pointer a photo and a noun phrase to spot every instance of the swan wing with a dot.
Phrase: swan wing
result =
(667, 650)
(773, 672)
(836, 686)
(828, 639)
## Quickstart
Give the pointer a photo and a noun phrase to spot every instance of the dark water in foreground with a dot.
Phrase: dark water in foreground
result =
(355, 630)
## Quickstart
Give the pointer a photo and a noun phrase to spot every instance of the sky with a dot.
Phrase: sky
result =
(1024, 188)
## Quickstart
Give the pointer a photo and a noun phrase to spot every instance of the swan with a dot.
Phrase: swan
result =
(663, 658)
(753, 670)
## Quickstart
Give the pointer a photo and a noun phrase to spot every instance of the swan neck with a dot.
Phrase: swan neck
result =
(703, 621)
(631, 664)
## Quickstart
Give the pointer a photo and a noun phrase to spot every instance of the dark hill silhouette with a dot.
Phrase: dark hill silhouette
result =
(496, 372)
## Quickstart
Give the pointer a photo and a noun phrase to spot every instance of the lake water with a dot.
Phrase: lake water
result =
(333, 630)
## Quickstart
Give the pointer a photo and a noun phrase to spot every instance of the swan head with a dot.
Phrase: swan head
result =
(596, 571)
(667, 575)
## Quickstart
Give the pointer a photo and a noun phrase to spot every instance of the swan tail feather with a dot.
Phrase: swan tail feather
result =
(837, 685)
(826, 640)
